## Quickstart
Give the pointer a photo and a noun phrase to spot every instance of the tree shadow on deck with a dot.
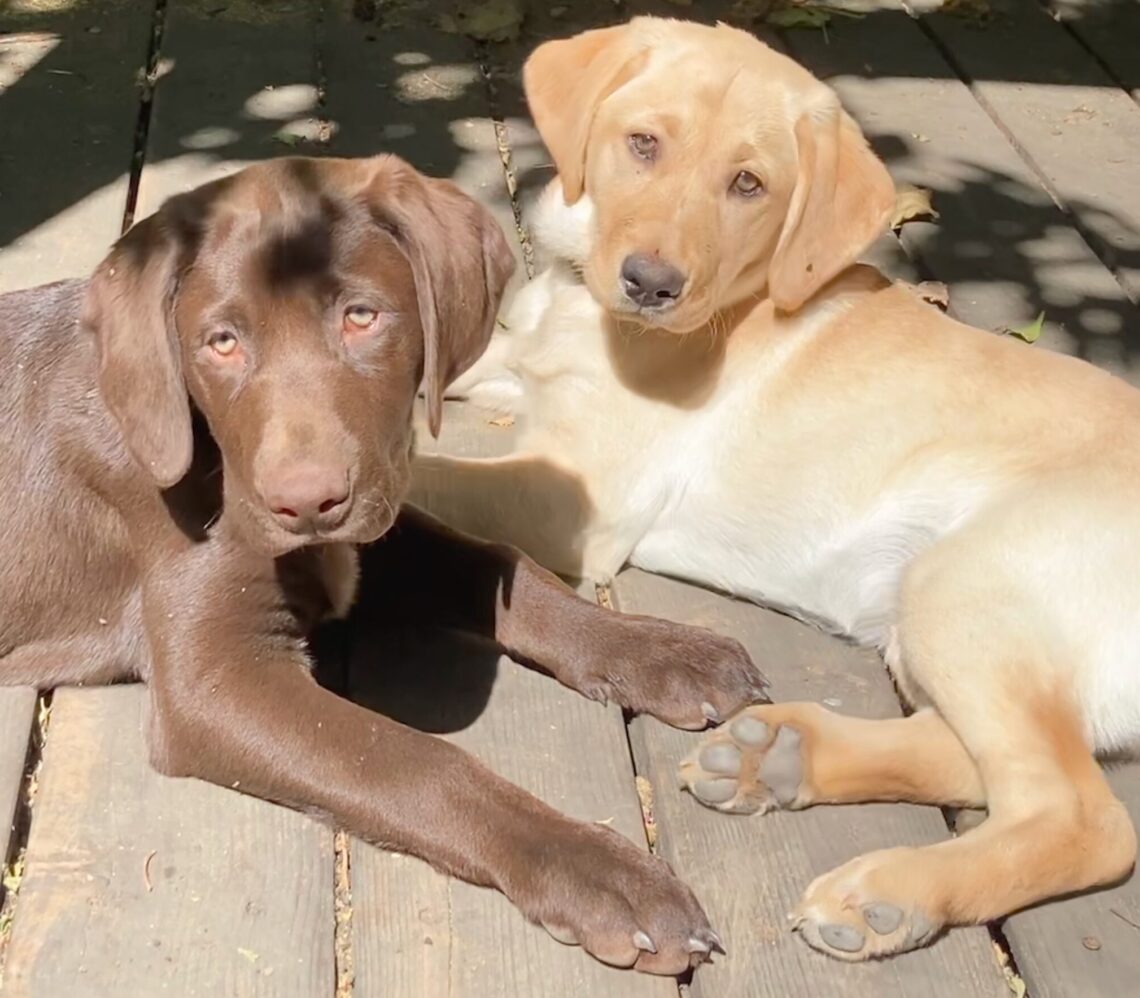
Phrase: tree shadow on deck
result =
(383, 76)
(232, 82)
(432, 680)
(365, 85)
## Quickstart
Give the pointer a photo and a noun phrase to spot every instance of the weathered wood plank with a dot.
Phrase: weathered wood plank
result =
(17, 711)
(417, 932)
(68, 104)
(237, 84)
(140, 885)
(400, 85)
(1007, 251)
(1085, 946)
(1065, 114)
(1111, 30)
(750, 872)
(221, 918)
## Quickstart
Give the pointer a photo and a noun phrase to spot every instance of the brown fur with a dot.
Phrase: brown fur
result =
(150, 415)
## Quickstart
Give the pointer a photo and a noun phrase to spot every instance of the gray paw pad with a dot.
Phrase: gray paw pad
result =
(921, 930)
(749, 730)
(782, 769)
(882, 917)
(724, 758)
(842, 937)
(715, 791)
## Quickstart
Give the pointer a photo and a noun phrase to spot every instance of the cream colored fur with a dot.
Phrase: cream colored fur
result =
(966, 503)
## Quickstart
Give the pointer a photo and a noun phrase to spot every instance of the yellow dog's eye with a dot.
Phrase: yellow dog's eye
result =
(359, 319)
(223, 343)
(644, 146)
(747, 184)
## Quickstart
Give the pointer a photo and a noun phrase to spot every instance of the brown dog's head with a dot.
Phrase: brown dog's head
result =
(717, 168)
(296, 305)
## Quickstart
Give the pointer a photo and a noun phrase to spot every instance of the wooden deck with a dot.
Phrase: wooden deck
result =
(122, 883)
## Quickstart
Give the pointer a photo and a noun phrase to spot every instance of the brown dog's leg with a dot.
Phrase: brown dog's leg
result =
(1054, 828)
(794, 755)
(232, 702)
(85, 660)
(423, 571)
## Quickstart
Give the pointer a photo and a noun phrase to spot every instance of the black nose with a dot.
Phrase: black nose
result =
(650, 282)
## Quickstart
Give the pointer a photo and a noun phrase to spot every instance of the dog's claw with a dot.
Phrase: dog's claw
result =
(710, 711)
(698, 945)
(716, 942)
(760, 693)
(642, 941)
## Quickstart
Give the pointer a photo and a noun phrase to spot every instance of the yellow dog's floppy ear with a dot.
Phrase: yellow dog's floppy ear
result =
(842, 202)
(565, 82)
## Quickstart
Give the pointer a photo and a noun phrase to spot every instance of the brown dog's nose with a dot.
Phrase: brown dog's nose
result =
(308, 496)
(650, 282)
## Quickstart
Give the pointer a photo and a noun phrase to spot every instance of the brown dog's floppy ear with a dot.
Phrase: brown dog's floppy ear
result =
(129, 307)
(842, 202)
(565, 81)
(461, 264)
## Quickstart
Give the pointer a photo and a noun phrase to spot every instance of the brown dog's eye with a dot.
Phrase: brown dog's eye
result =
(223, 343)
(643, 146)
(747, 184)
(359, 319)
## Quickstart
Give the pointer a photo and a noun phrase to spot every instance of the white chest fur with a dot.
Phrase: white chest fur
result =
(729, 493)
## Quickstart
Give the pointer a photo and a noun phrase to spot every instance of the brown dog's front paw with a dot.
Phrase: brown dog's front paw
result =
(688, 677)
(589, 886)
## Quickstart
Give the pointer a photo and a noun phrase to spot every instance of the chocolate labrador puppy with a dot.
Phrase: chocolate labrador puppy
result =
(201, 435)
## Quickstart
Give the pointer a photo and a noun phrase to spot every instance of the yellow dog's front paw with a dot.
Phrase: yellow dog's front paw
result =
(853, 914)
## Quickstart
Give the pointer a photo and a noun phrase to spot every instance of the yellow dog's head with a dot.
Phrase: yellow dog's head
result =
(716, 168)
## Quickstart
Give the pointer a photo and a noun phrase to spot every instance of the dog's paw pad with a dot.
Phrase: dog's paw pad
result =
(882, 917)
(877, 929)
(748, 730)
(782, 768)
(720, 758)
(715, 791)
(842, 937)
(746, 766)
(840, 915)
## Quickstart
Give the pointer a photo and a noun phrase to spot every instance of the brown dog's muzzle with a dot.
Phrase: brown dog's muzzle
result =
(308, 497)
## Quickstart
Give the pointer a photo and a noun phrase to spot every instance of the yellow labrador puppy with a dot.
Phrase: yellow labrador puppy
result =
(708, 386)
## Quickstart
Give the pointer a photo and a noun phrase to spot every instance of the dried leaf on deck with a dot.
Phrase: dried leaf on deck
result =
(502, 421)
(806, 14)
(485, 20)
(751, 11)
(912, 203)
(645, 795)
(976, 11)
(798, 16)
(932, 292)
(1030, 332)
